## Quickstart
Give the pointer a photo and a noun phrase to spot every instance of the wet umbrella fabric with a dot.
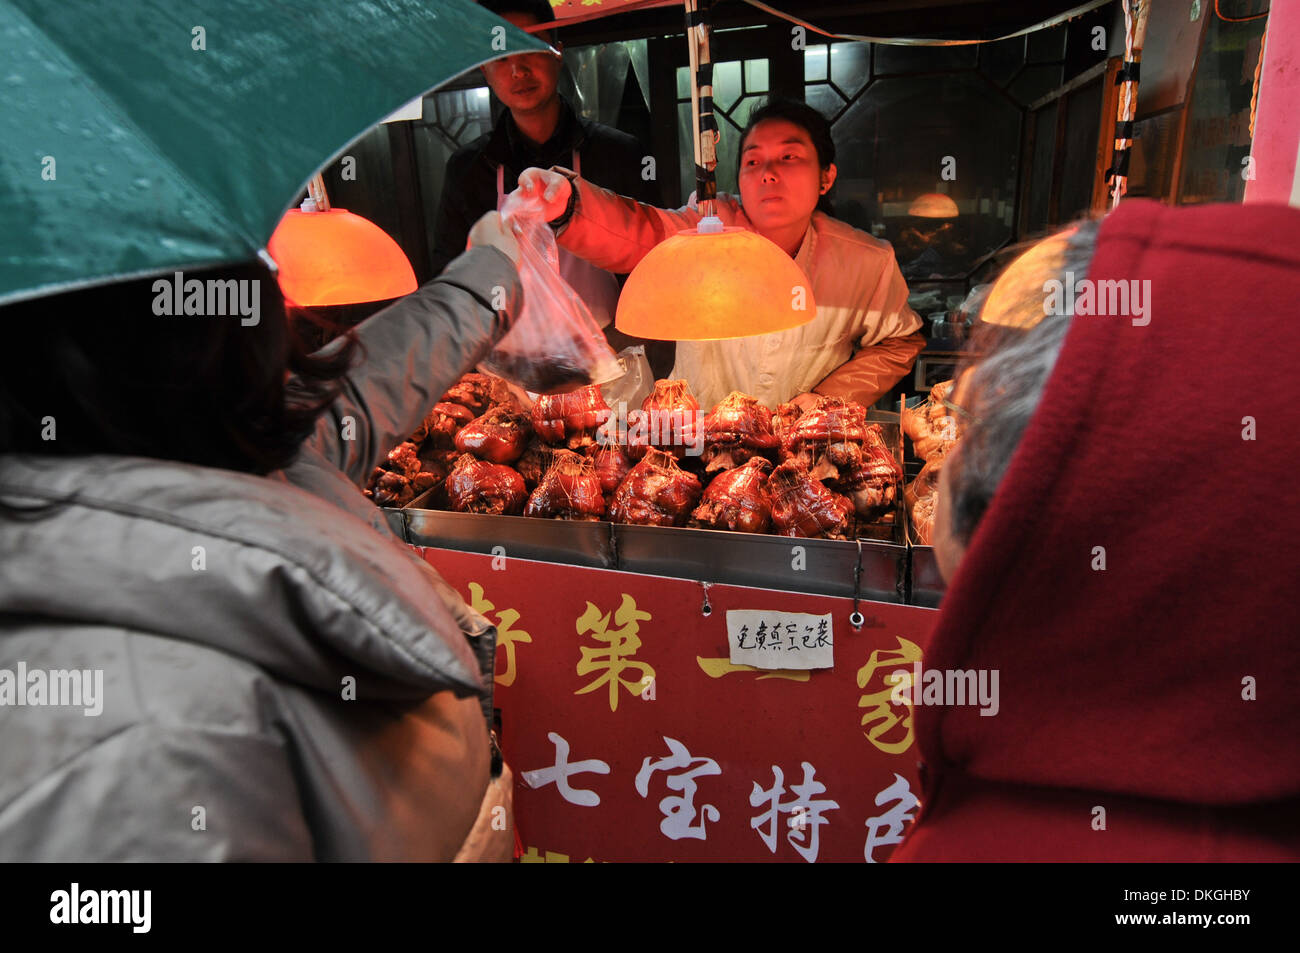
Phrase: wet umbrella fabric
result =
(157, 134)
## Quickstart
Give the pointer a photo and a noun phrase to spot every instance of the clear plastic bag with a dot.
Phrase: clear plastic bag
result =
(636, 382)
(554, 345)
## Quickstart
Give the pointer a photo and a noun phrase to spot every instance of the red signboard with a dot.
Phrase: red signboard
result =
(633, 737)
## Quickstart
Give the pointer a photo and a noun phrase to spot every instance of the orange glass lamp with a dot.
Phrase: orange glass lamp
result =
(711, 282)
(933, 205)
(705, 285)
(1022, 281)
(328, 256)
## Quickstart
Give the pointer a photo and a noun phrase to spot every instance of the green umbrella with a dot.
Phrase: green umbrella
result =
(147, 135)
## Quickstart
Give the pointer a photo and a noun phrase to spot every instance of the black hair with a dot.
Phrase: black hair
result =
(101, 372)
(538, 9)
(806, 118)
(317, 326)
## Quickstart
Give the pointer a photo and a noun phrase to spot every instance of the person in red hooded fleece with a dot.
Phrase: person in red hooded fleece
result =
(1120, 544)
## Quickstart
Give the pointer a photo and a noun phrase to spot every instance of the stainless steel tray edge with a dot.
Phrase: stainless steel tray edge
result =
(927, 585)
(564, 541)
(819, 566)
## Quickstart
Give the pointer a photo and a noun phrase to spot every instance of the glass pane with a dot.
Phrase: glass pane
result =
(814, 63)
(1034, 82)
(460, 115)
(850, 66)
(578, 83)
(755, 76)
(683, 82)
(1001, 61)
(1217, 139)
(734, 120)
(639, 51)
(1151, 170)
(746, 106)
(374, 194)
(686, 149)
(729, 146)
(726, 84)
(1047, 46)
(824, 99)
(594, 80)
(894, 60)
(452, 118)
(889, 147)
(612, 74)
(1083, 121)
(1040, 170)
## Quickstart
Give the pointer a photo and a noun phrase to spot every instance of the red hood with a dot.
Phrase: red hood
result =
(1129, 681)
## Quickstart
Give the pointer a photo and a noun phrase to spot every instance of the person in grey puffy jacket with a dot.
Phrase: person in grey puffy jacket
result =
(212, 647)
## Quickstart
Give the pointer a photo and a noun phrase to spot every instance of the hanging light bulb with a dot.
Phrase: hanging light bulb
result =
(711, 282)
(329, 256)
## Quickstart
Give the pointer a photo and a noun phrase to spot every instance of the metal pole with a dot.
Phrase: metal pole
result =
(316, 189)
(702, 122)
(1135, 32)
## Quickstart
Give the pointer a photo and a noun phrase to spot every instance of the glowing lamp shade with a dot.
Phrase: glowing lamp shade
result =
(1022, 282)
(335, 257)
(933, 205)
(704, 287)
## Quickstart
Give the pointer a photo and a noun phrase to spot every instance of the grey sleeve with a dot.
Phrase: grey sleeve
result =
(413, 351)
(152, 793)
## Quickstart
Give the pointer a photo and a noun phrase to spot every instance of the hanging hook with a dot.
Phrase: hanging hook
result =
(706, 609)
(855, 618)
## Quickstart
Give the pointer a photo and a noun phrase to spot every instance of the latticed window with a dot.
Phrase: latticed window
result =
(738, 87)
(908, 121)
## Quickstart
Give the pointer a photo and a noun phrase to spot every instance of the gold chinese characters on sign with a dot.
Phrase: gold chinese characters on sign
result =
(888, 723)
(615, 656)
(507, 635)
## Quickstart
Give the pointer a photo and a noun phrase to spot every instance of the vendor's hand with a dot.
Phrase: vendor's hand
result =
(491, 230)
(805, 401)
(553, 188)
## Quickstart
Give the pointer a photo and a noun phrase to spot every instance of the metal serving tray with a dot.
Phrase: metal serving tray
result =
(818, 566)
(927, 585)
(556, 541)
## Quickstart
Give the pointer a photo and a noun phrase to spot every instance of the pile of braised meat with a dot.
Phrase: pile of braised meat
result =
(478, 414)
(486, 453)
(933, 431)
(825, 472)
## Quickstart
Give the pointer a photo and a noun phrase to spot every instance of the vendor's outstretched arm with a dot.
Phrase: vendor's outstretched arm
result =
(413, 351)
(615, 232)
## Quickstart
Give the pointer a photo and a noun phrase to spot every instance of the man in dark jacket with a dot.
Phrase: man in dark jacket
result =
(540, 128)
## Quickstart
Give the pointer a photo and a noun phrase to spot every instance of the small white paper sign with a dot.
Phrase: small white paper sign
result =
(774, 640)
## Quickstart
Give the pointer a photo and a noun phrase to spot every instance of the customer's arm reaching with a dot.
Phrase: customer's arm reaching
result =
(417, 347)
